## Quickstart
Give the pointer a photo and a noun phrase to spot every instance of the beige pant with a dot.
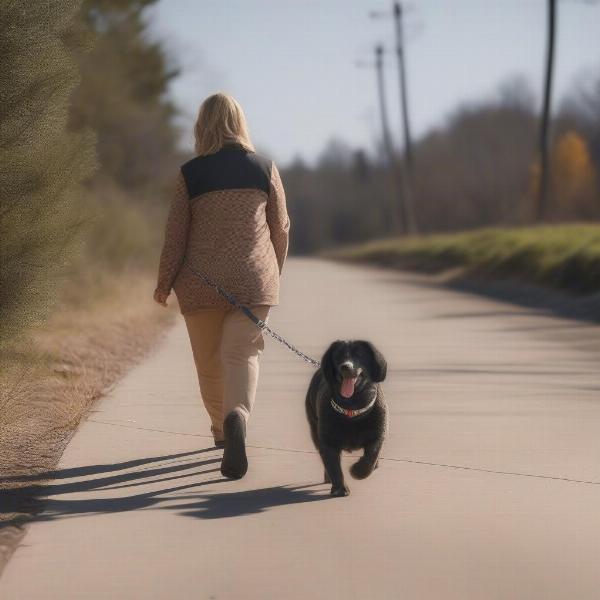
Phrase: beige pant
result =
(226, 346)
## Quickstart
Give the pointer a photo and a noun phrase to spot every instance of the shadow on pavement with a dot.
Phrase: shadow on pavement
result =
(536, 299)
(43, 502)
(95, 469)
(235, 504)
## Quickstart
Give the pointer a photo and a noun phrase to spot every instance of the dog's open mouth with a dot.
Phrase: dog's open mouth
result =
(347, 387)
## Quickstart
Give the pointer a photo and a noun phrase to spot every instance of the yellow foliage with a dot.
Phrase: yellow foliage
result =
(573, 183)
(573, 178)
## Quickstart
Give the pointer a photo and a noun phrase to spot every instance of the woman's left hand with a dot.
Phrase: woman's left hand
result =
(160, 297)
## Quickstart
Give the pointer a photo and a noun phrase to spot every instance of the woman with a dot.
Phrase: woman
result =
(228, 220)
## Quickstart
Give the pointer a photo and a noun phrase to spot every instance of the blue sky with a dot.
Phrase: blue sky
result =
(291, 63)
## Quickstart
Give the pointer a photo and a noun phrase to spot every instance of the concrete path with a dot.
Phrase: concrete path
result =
(489, 489)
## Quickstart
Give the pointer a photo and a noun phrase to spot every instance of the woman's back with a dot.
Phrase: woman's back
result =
(228, 219)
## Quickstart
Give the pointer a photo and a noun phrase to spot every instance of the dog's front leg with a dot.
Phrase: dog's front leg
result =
(365, 465)
(333, 466)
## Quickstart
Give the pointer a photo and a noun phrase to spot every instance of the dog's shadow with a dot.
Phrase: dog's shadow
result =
(235, 504)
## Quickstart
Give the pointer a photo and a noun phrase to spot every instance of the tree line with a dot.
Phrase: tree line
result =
(478, 169)
(87, 147)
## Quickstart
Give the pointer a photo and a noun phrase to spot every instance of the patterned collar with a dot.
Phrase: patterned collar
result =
(349, 412)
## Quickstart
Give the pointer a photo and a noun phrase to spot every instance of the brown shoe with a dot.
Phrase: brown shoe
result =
(235, 463)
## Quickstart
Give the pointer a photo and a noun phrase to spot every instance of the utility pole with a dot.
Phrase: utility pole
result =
(408, 175)
(387, 142)
(544, 149)
(385, 126)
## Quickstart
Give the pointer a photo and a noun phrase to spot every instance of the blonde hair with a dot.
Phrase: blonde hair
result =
(220, 121)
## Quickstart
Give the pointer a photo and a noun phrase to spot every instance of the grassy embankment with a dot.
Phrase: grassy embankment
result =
(565, 257)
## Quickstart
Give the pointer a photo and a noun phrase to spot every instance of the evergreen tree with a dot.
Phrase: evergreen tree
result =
(122, 96)
(41, 162)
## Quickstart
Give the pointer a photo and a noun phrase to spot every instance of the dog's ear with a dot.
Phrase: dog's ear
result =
(377, 364)
(328, 365)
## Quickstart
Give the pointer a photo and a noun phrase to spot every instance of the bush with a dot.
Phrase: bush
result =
(42, 164)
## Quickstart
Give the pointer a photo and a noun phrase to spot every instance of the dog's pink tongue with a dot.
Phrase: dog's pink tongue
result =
(347, 388)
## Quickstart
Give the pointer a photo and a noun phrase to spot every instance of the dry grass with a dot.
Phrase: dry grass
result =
(51, 378)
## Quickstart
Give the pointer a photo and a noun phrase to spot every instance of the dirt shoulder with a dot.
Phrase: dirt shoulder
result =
(55, 375)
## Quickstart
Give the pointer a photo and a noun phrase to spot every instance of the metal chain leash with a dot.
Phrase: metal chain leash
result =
(258, 322)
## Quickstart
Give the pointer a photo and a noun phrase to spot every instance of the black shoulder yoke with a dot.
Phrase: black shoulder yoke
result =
(232, 167)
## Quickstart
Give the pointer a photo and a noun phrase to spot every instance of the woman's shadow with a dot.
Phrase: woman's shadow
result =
(39, 495)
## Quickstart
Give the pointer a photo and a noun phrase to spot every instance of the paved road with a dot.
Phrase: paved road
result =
(490, 486)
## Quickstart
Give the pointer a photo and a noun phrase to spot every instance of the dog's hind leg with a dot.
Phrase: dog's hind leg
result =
(326, 478)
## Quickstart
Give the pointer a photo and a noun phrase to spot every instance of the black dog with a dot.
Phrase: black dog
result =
(346, 409)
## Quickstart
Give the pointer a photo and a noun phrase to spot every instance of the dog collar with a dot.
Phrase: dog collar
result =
(349, 412)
